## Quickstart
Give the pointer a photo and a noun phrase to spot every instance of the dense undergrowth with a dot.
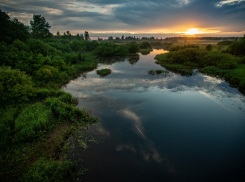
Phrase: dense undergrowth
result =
(229, 63)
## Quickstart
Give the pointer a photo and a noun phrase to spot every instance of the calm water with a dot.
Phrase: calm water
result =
(160, 128)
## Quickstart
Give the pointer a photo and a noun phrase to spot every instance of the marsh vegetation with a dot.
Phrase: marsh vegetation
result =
(37, 117)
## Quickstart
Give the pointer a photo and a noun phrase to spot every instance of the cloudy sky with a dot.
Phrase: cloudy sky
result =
(139, 17)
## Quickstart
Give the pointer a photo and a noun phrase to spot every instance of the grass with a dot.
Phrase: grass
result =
(145, 51)
(40, 132)
(104, 72)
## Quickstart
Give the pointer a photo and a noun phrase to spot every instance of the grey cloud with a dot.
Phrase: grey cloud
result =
(133, 15)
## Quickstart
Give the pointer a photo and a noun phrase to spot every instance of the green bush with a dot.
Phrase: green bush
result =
(71, 58)
(178, 47)
(15, 86)
(145, 45)
(50, 171)
(237, 48)
(46, 73)
(39, 47)
(209, 47)
(221, 60)
(67, 111)
(103, 72)
(133, 47)
(32, 123)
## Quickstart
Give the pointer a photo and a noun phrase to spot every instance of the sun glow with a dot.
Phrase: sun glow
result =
(193, 31)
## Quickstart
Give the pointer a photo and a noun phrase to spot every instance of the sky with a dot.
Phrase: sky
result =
(160, 18)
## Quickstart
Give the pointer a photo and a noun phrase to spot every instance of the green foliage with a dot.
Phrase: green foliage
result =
(71, 58)
(145, 51)
(15, 86)
(237, 48)
(61, 45)
(39, 27)
(39, 47)
(178, 47)
(32, 123)
(145, 45)
(224, 43)
(67, 111)
(198, 58)
(12, 29)
(7, 119)
(46, 73)
(50, 171)
(108, 49)
(209, 47)
(133, 47)
(104, 72)
(220, 60)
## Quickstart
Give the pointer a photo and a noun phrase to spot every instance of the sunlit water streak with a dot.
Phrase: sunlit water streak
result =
(161, 128)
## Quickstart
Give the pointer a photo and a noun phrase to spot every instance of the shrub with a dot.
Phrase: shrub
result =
(104, 72)
(221, 60)
(236, 48)
(38, 46)
(32, 123)
(133, 47)
(50, 171)
(145, 45)
(71, 58)
(209, 47)
(15, 86)
(46, 73)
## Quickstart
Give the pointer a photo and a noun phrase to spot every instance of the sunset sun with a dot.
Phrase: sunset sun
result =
(193, 31)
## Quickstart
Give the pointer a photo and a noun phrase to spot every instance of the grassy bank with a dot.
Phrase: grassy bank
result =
(228, 64)
(37, 117)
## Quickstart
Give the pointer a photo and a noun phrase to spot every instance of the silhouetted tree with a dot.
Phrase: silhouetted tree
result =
(12, 29)
(86, 36)
(123, 37)
(39, 27)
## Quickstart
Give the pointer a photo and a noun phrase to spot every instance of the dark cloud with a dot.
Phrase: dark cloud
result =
(131, 16)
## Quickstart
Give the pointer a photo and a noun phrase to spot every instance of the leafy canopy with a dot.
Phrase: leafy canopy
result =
(39, 27)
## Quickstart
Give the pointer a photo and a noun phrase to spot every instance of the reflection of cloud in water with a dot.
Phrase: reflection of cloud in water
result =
(212, 79)
(125, 147)
(102, 131)
(132, 116)
(148, 150)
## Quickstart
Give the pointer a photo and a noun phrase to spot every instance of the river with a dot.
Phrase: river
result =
(169, 127)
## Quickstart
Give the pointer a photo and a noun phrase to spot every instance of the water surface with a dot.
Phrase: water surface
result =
(160, 128)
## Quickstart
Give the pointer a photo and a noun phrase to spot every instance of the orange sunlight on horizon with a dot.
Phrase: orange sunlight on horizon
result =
(193, 31)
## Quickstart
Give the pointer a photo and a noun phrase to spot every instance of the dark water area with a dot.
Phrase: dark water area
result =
(160, 128)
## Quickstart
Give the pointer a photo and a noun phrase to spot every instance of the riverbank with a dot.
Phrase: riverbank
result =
(225, 64)
(36, 116)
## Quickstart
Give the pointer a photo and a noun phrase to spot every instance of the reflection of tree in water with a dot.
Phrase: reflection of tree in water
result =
(134, 59)
(111, 60)
(183, 72)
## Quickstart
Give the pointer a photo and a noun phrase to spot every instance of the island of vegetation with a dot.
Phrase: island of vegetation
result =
(36, 116)
(104, 72)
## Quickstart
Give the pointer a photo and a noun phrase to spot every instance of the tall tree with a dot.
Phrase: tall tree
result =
(78, 37)
(68, 34)
(86, 36)
(12, 29)
(39, 27)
